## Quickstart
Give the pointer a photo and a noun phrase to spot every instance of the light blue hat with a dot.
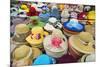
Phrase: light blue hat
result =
(43, 60)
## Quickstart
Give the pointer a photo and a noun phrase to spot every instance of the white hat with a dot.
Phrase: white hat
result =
(52, 20)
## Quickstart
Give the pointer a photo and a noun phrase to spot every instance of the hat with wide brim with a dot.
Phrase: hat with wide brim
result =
(54, 51)
(80, 47)
(43, 60)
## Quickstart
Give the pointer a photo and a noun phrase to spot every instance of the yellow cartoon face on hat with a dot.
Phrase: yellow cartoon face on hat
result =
(37, 36)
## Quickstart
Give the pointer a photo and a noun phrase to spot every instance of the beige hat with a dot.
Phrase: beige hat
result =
(55, 45)
(21, 28)
(22, 56)
(83, 42)
(90, 29)
(21, 32)
(86, 37)
(22, 52)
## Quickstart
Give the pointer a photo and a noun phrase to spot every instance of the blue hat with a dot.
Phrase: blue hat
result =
(73, 25)
(43, 59)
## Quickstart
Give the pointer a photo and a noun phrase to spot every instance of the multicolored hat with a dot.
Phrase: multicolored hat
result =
(73, 26)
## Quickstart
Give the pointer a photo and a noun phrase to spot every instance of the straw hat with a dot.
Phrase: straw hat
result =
(22, 56)
(36, 38)
(21, 32)
(83, 42)
(55, 45)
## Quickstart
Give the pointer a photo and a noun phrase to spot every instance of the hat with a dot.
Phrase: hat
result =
(22, 52)
(21, 28)
(55, 44)
(43, 59)
(36, 38)
(82, 43)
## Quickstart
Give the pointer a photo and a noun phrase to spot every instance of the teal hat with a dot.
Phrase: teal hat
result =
(43, 59)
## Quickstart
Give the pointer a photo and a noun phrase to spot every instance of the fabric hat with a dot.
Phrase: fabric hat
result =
(55, 44)
(41, 61)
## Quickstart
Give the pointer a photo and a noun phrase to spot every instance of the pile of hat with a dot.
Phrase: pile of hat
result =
(51, 33)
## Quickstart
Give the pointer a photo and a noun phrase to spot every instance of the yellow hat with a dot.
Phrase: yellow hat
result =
(24, 7)
(61, 6)
(91, 16)
(36, 38)
(37, 29)
(21, 28)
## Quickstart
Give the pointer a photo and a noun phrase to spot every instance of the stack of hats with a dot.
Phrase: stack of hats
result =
(24, 55)
(72, 27)
(51, 33)
(52, 24)
(55, 44)
(65, 15)
(81, 44)
(21, 32)
(36, 37)
(45, 14)
(55, 12)
(44, 17)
